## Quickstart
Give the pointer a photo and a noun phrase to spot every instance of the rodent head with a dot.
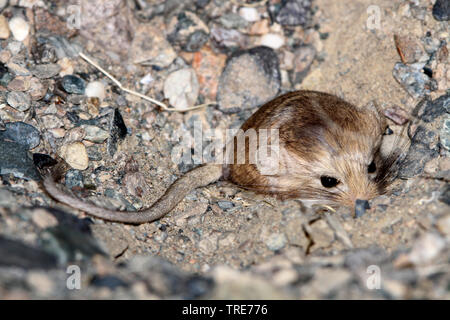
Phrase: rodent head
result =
(329, 150)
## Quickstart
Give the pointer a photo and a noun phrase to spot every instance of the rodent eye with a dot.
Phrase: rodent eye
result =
(329, 182)
(372, 167)
(388, 131)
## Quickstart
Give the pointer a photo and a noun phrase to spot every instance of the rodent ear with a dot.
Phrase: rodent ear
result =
(375, 109)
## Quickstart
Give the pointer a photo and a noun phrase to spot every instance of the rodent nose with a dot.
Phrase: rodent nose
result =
(360, 207)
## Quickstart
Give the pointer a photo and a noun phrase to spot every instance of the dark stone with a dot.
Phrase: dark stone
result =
(421, 150)
(428, 110)
(425, 140)
(41, 160)
(294, 13)
(360, 207)
(412, 79)
(117, 131)
(441, 10)
(73, 117)
(195, 41)
(15, 159)
(17, 254)
(21, 133)
(188, 32)
(73, 84)
(74, 178)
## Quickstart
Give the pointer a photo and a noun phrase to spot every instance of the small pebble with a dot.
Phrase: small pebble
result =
(412, 79)
(181, 88)
(19, 28)
(73, 84)
(272, 40)
(75, 155)
(95, 134)
(294, 13)
(19, 100)
(249, 14)
(147, 79)
(232, 21)
(276, 241)
(74, 178)
(95, 89)
(19, 84)
(225, 205)
(4, 28)
(37, 89)
(188, 31)
(17, 69)
(46, 71)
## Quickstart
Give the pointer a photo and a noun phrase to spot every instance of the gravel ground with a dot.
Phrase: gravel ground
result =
(220, 242)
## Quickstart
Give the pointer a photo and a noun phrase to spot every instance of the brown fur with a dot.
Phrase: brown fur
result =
(320, 134)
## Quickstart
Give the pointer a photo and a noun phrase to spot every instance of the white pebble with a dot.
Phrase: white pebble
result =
(147, 79)
(249, 14)
(19, 28)
(181, 88)
(272, 40)
(95, 89)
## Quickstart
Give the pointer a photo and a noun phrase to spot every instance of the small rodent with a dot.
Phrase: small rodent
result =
(329, 153)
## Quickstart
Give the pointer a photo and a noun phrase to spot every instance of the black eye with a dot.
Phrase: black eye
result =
(329, 182)
(372, 167)
(388, 131)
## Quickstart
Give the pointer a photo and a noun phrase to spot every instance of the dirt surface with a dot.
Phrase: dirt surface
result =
(241, 245)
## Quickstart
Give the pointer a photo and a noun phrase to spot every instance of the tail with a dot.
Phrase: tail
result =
(197, 177)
